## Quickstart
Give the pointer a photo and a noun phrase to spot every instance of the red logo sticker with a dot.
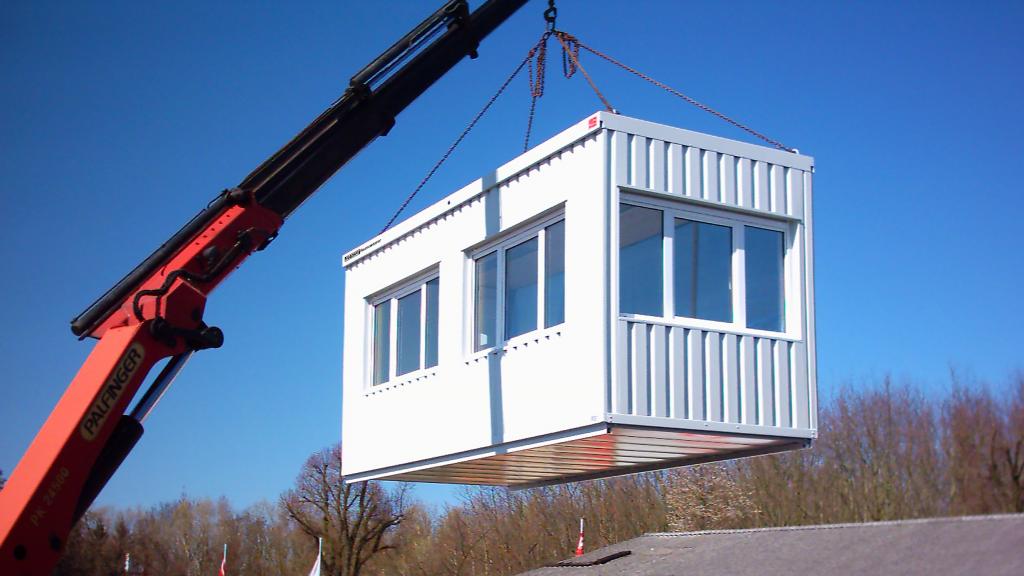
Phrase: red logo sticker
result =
(592, 122)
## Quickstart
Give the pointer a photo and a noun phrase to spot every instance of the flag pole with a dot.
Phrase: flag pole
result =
(319, 551)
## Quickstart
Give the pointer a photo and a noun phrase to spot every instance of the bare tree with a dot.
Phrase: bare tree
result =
(353, 520)
(708, 497)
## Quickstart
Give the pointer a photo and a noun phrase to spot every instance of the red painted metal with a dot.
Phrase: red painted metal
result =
(220, 235)
(38, 502)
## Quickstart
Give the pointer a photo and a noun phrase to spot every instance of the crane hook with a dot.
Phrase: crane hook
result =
(550, 14)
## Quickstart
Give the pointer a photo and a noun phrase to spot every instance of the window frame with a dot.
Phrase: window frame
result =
(536, 229)
(393, 295)
(672, 209)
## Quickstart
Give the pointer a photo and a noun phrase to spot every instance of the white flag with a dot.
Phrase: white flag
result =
(316, 567)
(579, 546)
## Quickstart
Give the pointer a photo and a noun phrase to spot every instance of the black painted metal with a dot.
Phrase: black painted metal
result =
(126, 434)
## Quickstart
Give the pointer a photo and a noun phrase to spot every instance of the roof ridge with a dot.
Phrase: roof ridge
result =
(907, 521)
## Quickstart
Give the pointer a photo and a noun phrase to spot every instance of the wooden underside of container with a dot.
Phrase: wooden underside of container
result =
(620, 450)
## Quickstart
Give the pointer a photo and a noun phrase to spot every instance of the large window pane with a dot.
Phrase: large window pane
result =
(409, 333)
(381, 341)
(430, 346)
(521, 288)
(640, 260)
(765, 290)
(702, 255)
(486, 300)
(554, 274)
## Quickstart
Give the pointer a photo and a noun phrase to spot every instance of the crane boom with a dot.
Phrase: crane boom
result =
(155, 312)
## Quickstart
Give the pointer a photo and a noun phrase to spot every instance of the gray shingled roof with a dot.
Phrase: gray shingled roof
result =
(974, 545)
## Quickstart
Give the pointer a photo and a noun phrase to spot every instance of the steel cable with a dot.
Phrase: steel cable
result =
(430, 174)
(560, 35)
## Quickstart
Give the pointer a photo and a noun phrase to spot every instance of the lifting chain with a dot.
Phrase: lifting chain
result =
(577, 44)
(472, 123)
(536, 62)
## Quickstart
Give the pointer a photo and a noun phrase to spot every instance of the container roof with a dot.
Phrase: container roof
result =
(991, 545)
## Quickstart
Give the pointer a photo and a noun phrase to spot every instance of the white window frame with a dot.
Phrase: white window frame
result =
(792, 292)
(500, 245)
(405, 288)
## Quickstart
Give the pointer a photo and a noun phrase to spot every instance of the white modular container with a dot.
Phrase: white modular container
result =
(626, 296)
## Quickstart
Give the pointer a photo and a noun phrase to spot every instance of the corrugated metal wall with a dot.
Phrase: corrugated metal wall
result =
(671, 370)
(692, 172)
(693, 374)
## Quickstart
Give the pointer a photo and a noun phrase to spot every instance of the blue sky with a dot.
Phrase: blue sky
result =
(121, 121)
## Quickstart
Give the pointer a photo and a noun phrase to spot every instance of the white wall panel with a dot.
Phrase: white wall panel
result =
(693, 159)
(656, 159)
(727, 179)
(659, 372)
(713, 376)
(777, 189)
(475, 400)
(676, 169)
(709, 176)
(745, 183)
(795, 192)
(761, 187)
(733, 391)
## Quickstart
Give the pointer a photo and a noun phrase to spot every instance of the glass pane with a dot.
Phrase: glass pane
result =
(409, 333)
(486, 301)
(765, 301)
(554, 274)
(430, 346)
(521, 288)
(640, 260)
(702, 255)
(381, 341)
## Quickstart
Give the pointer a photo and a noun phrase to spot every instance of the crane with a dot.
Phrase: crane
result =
(156, 312)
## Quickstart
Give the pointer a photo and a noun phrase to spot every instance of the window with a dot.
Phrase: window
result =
(640, 255)
(716, 259)
(703, 270)
(405, 321)
(521, 289)
(764, 261)
(523, 278)
(409, 311)
(381, 342)
(554, 274)
(486, 316)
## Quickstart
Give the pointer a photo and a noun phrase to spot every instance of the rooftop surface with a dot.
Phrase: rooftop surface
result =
(990, 545)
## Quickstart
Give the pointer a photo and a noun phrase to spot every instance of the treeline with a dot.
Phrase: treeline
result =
(884, 452)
